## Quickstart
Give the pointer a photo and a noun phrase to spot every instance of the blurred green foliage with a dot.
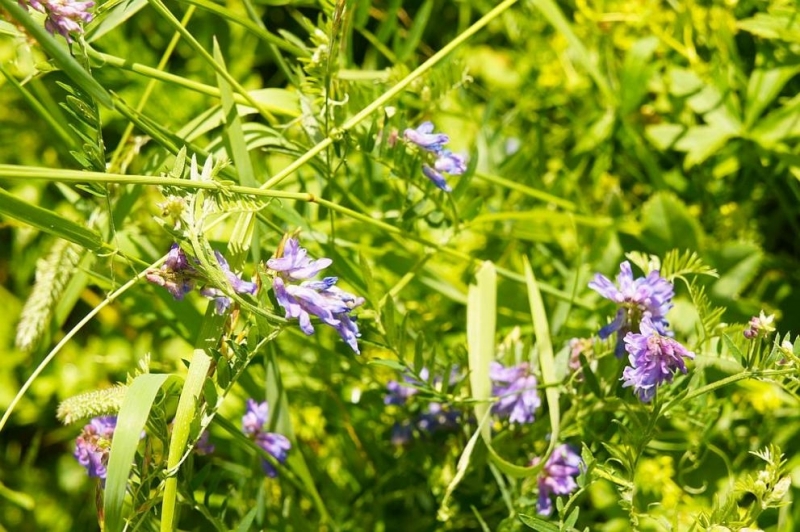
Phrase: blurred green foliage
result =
(595, 128)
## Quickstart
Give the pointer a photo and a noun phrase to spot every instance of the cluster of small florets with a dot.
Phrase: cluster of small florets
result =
(180, 277)
(435, 416)
(63, 16)
(642, 329)
(442, 161)
(514, 389)
(759, 326)
(301, 297)
(277, 445)
(557, 477)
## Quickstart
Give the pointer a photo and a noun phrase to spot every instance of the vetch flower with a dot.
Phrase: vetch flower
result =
(760, 325)
(277, 445)
(515, 390)
(425, 138)
(649, 296)
(438, 416)
(94, 444)
(296, 264)
(203, 445)
(436, 177)
(400, 392)
(64, 16)
(322, 299)
(179, 277)
(653, 359)
(442, 161)
(557, 477)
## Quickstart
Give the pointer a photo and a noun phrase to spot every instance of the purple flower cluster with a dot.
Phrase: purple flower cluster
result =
(277, 445)
(557, 477)
(435, 416)
(63, 16)
(653, 358)
(649, 296)
(94, 444)
(444, 161)
(515, 390)
(322, 299)
(179, 277)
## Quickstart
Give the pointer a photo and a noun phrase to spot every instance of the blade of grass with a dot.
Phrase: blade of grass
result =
(545, 349)
(187, 407)
(49, 222)
(131, 421)
(481, 326)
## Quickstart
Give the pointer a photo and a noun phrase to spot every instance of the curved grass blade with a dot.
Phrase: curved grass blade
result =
(131, 420)
(545, 348)
(481, 326)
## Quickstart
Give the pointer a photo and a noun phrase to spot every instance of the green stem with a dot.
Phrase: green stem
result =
(159, 6)
(391, 93)
(148, 90)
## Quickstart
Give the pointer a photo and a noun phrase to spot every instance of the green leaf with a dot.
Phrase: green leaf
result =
(781, 124)
(481, 323)
(668, 224)
(111, 15)
(781, 23)
(636, 72)
(49, 222)
(762, 88)
(414, 36)
(701, 142)
(131, 421)
(664, 136)
(538, 524)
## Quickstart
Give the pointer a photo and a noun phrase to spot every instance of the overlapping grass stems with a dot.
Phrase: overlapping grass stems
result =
(428, 421)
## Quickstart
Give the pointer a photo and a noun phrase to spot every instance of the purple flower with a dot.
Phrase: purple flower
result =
(203, 445)
(653, 359)
(402, 433)
(438, 417)
(93, 445)
(400, 392)
(649, 296)
(425, 138)
(557, 476)
(255, 417)
(295, 263)
(64, 16)
(324, 300)
(437, 178)
(176, 274)
(277, 445)
(240, 286)
(515, 389)
(451, 163)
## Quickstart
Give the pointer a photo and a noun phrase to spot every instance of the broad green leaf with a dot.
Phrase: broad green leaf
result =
(49, 221)
(762, 88)
(481, 323)
(781, 23)
(740, 263)
(781, 124)
(636, 72)
(538, 524)
(668, 224)
(131, 421)
(664, 136)
(598, 133)
(701, 142)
